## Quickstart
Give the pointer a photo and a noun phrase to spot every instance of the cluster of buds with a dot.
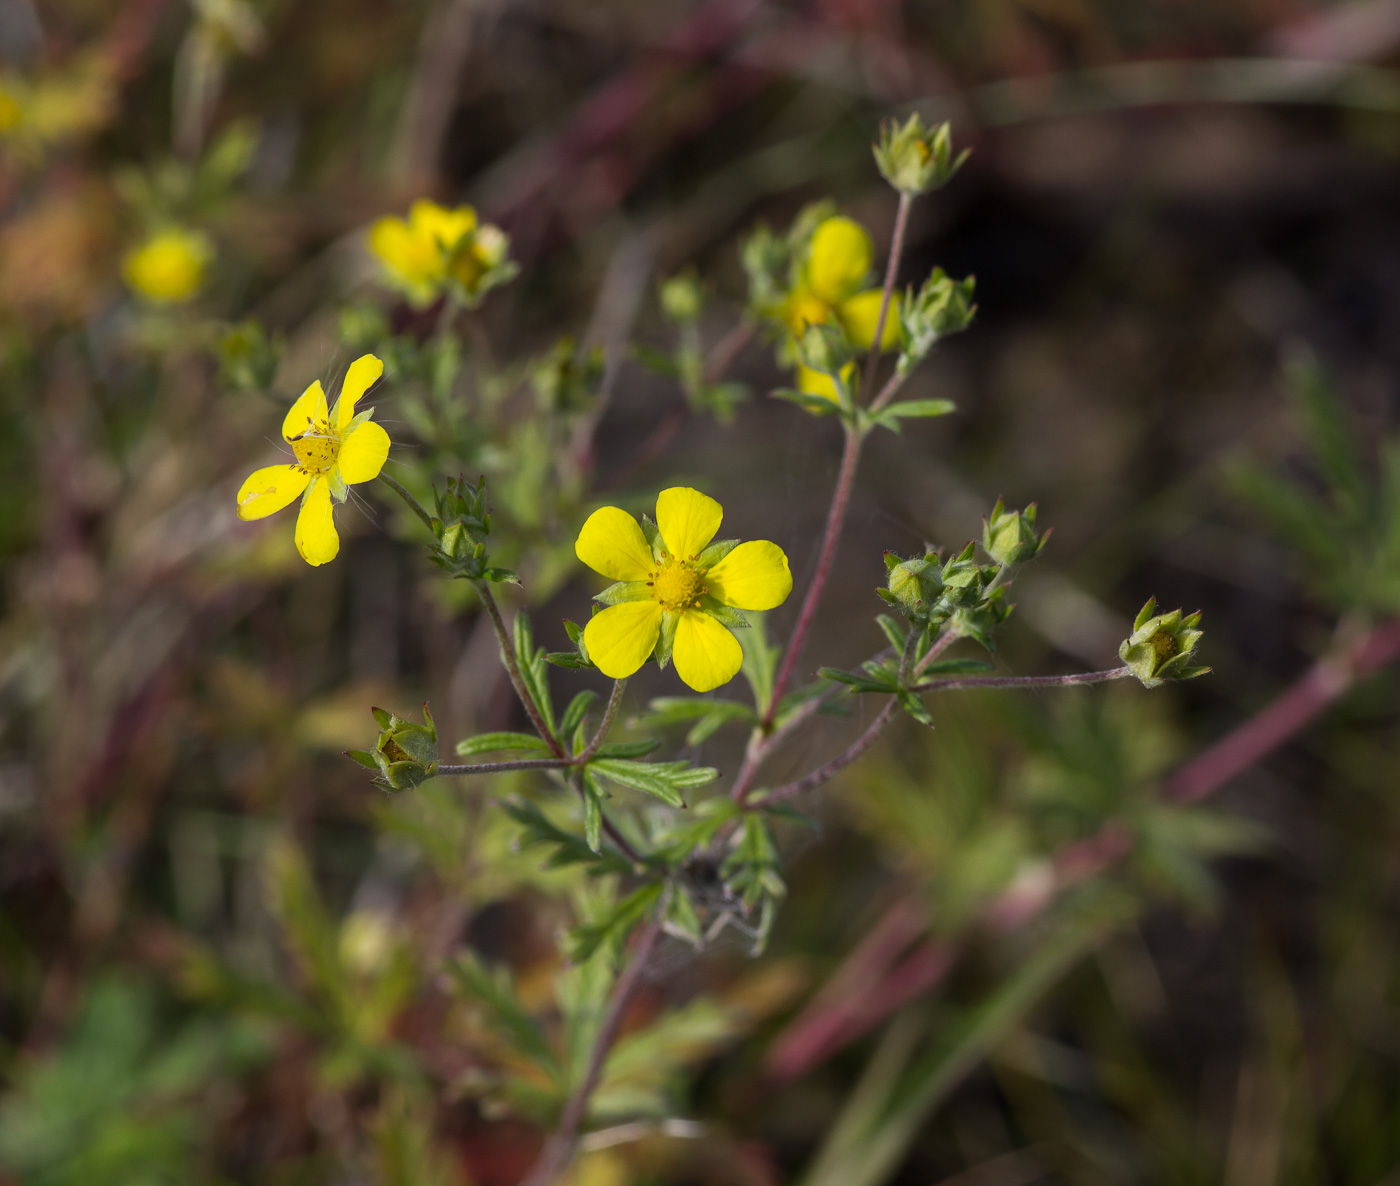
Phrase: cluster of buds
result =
(406, 754)
(1010, 537)
(941, 307)
(915, 159)
(462, 525)
(928, 590)
(1161, 647)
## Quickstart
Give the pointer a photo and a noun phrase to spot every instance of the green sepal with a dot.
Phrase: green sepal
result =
(725, 615)
(654, 540)
(666, 638)
(363, 757)
(623, 591)
(817, 404)
(716, 552)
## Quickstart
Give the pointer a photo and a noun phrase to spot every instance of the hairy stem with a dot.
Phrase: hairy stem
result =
(493, 611)
(502, 767)
(619, 686)
(826, 556)
(1022, 681)
(413, 504)
(559, 1149)
(829, 770)
(901, 224)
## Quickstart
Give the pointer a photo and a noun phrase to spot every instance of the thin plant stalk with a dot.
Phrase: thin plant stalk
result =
(559, 1149)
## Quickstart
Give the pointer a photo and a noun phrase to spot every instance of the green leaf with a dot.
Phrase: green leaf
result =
(858, 683)
(568, 848)
(709, 715)
(958, 667)
(922, 408)
(592, 812)
(665, 780)
(682, 919)
(760, 665)
(911, 704)
(577, 710)
(656, 360)
(485, 743)
(817, 404)
(614, 927)
(494, 990)
(628, 749)
(892, 631)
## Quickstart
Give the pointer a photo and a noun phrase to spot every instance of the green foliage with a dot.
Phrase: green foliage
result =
(123, 1100)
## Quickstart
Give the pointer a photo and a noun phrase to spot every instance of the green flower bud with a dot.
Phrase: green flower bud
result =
(681, 298)
(915, 159)
(942, 306)
(1160, 648)
(964, 578)
(913, 586)
(1010, 537)
(824, 348)
(406, 753)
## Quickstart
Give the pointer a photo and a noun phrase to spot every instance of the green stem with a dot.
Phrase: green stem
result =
(502, 767)
(493, 611)
(605, 724)
(413, 504)
(1023, 681)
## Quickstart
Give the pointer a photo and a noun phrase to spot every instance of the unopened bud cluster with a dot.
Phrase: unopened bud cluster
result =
(941, 307)
(1161, 647)
(1010, 537)
(406, 753)
(915, 159)
(462, 525)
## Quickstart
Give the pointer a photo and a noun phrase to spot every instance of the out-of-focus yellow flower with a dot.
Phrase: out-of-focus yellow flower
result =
(831, 287)
(436, 249)
(168, 268)
(334, 449)
(676, 589)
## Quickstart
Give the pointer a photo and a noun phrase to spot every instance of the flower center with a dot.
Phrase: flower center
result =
(1164, 644)
(677, 586)
(317, 448)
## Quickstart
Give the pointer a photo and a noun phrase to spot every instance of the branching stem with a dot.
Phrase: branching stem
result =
(559, 1149)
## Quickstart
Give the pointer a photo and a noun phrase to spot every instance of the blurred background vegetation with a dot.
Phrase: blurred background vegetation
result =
(225, 957)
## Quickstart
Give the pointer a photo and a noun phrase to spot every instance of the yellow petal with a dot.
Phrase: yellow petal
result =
(838, 260)
(443, 227)
(816, 383)
(754, 576)
(611, 542)
(688, 520)
(269, 489)
(622, 637)
(363, 454)
(364, 372)
(804, 308)
(858, 314)
(316, 538)
(308, 410)
(705, 653)
(412, 260)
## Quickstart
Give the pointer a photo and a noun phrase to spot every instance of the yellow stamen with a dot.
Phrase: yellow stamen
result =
(677, 585)
(317, 448)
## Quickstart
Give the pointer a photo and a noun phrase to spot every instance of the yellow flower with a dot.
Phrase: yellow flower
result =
(168, 268)
(436, 248)
(676, 590)
(334, 449)
(831, 286)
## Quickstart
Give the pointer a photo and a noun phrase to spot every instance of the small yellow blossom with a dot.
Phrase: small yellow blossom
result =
(334, 449)
(676, 589)
(436, 249)
(168, 268)
(831, 287)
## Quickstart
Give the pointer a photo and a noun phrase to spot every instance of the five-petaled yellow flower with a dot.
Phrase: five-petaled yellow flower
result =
(435, 248)
(335, 449)
(675, 589)
(168, 267)
(831, 287)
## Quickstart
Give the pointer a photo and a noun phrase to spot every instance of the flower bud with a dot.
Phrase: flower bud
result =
(1160, 648)
(964, 578)
(823, 348)
(915, 159)
(405, 754)
(942, 306)
(1010, 537)
(914, 586)
(681, 298)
